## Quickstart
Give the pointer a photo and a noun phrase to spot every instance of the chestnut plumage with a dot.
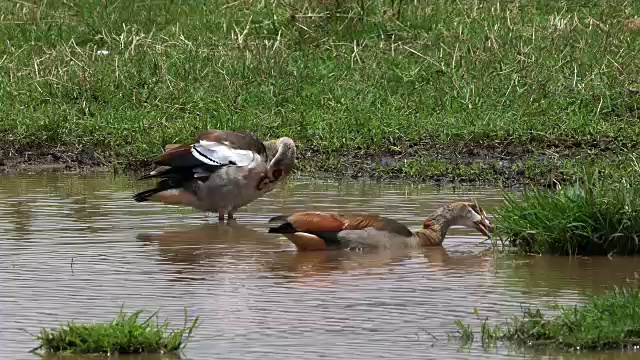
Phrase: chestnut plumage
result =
(310, 230)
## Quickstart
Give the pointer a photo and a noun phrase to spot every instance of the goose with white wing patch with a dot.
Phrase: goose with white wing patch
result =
(221, 172)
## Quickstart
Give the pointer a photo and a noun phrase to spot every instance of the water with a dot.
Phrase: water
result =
(77, 247)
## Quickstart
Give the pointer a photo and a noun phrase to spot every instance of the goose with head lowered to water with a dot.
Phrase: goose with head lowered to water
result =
(324, 231)
(221, 172)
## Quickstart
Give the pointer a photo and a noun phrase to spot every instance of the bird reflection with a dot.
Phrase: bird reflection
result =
(203, 247)
(440, 258)
(220, 247)
(321, 265)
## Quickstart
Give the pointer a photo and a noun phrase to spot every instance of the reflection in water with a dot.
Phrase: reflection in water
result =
(257, 296)
(202, 248)
(197, 247)
(551, 275)
(20, 214)
(300, 265)
(194, 245)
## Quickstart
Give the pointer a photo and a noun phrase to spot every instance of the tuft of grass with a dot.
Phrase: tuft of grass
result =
(464, 331)
(608, 321)
(125, 334)
(598, 214)
(402, 78)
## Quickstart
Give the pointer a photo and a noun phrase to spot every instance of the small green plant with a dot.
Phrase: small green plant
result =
(464, 331)
(488, 335)
(599, 214)
(607, 321)
(125, 334)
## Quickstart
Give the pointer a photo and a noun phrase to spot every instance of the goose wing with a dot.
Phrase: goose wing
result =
(213, 153)
(213, 149)
(181, 164)
(327, 226)
(238, 140)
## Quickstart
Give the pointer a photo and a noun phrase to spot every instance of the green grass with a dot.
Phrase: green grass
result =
(609, 321)
(442, 78)
(599, 214)
(125, 334)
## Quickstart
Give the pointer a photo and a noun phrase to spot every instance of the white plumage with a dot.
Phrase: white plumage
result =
(215, 153)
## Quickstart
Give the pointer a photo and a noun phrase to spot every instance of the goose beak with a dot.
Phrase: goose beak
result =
(484, 226)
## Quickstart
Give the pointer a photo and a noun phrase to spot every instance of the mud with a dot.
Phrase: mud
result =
(50, 158)
(493, 162)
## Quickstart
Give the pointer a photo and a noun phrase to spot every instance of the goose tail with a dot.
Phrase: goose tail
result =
(280, 225)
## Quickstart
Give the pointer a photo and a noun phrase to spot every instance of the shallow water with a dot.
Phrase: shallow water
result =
(77, 247)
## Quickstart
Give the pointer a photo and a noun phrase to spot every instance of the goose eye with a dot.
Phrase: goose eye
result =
(276, 174)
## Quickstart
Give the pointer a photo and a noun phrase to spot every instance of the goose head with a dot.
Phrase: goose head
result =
(471, 215)
(466, 214)
(282, 153)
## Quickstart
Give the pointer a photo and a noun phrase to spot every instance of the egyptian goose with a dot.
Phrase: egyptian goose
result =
(281, 155)
(221, 172)
(281, 151)
(322, 231)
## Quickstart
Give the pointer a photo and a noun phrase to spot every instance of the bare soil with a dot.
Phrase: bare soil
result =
(58, 158)
(490, 162)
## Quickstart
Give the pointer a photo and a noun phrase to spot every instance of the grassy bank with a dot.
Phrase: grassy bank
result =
(599, 214)
(609, 321)
(462, 84)
(124, 335)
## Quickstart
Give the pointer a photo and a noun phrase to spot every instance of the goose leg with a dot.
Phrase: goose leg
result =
(230, 215)
(221, 217)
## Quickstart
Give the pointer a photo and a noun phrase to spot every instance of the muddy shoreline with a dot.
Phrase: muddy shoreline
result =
(483, 164)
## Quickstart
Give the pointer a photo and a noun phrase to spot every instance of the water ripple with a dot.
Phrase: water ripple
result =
(77, 247)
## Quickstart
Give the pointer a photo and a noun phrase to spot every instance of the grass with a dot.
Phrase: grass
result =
(599, 214)
(124, 335)
(609, 321)
(426, 82)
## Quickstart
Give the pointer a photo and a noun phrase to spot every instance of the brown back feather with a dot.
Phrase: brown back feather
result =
(171, 146)
(173, 156)
(363, 221)
(310, 221)
(329, 222)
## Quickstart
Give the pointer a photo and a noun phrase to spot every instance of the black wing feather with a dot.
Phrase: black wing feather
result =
(177, 169)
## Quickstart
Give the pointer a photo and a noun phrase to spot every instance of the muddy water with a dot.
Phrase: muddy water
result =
(77, 247)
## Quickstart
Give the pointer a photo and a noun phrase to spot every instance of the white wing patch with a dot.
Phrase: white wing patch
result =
(214, 153)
